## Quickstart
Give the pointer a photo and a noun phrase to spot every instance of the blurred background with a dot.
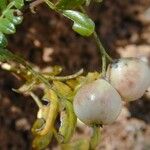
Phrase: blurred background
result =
(46, 39)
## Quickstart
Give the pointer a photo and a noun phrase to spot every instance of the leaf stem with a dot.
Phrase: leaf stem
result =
(34, 73)
(63, 78)
(36, 99)
(101, 48)
(10, 5)
(50, 4)
(103, 65)
(95, 138)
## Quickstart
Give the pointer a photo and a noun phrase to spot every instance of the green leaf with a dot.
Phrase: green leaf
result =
(3, 40)
(82, 23)
(3, 4)
(82, 144)
(19, 3)
(68, 122)
(26, 87)
(55, 70)
(41, 142)
(69, 4)
(12, 16)
(89, 1)
(5, 55)
(6, 26)
(91, 76)
(38, 125)
(63, 89)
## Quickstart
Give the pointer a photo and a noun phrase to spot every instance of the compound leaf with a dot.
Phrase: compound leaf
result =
(5, 55)
(3, 4)
(3, 40)
(82, 23)
(6, 26)
(41, 142)
(19, 3)
(12, 17)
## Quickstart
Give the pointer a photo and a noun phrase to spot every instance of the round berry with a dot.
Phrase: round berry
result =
(130, 77)
(97, 103)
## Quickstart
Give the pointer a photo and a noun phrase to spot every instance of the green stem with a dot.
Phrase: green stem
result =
(39, 76)
(103, 66)
(101, 48)
(63, 78)
(95, 138)
(34, 73)
(98, 42)
(10, 5)
(50, 4)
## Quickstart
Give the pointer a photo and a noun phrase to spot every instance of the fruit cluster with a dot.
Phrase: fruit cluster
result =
(100, 102)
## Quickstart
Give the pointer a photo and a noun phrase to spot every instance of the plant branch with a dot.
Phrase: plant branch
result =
(50, 4)
(35, 74)
(10, 5)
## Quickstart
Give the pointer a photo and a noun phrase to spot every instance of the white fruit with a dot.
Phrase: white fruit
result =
(97, 103)
(130, 77)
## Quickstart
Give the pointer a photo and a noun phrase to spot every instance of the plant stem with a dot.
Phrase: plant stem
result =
(101, 48)
(63, 78)
(50, 4)
(98, 42)
(95, 138)
(36, 99)
(10, 5)
(34, 73)
(103, 66)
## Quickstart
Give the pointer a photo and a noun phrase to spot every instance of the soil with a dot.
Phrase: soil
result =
(46, 39)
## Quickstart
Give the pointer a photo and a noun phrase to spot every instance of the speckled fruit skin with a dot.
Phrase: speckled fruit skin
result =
(97, 103)
(130, 77)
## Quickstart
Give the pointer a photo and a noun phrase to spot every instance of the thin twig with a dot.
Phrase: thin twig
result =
(103, 66)
(36, 99)
(101, 48)
(63, 78)
(50, 4)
